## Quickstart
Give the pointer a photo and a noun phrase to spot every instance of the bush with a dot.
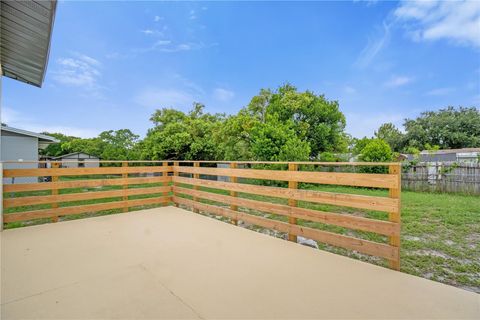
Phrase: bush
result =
(376, 150)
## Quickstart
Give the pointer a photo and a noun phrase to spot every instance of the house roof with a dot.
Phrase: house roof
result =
(447, 151)
(41, 137)
(73, 153)
(26, 29)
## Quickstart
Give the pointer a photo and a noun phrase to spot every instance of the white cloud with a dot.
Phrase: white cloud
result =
(78, 71)
(440, 91)
(223, 95)
(18, 120)
(456, 21)
(398, 81)
(168, 46)
(154, 32)
(192, 15)
(360, 124)
(157, 18)
(374, 46)
(165, 98)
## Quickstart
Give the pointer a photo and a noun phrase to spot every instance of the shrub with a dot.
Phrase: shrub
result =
(376, 150)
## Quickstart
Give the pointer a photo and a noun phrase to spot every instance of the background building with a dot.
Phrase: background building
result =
(21, 145)
(78, 160)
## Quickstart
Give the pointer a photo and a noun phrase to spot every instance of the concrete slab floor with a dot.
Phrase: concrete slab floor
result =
(169, 263)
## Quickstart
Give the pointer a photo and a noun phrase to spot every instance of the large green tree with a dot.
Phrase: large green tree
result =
(389, 133)
(109, 145)
(310, 122)
(180, 136)
(55, 149)
(447, 128)
(315, 119)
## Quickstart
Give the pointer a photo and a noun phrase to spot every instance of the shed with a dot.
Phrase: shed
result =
(78, 160)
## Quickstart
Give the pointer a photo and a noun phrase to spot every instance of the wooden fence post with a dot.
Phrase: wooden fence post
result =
(292, 202)
(165, 174)
(175, 173)
(1, 196)
(125, 185)
(55, 165)
(196, 164)
(233, 165)
(395, 216)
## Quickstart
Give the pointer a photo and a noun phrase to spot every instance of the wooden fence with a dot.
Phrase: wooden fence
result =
(239, 199)
(455, 177)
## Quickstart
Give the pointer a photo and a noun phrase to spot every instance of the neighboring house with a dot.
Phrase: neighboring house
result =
(78, 160)
(21, 145)
(449, 155)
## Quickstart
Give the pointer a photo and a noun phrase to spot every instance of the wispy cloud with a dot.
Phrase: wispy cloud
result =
(457, 21)
(192, 15)
(22, 121)
(367, 2)
(398, 81)
(78, 71)
(157, 18)
(440, 91)
(223, 95)
(374, 46)
(168, 46)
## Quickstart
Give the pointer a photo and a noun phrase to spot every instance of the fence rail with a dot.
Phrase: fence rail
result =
(197, 185)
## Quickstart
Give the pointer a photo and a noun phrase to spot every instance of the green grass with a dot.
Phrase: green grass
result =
(440, 237)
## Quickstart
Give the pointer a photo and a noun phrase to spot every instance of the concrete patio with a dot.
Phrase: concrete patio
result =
(171, 263)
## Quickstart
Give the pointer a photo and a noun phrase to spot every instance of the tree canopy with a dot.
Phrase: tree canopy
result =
(276, 125)
(449, 128)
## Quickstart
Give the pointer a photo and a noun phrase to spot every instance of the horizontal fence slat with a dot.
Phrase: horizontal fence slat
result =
(44, 172)
(336, 178)
(33, 200)
(347, 200)
(363, 246)
(82, 183)
(65, 211)
(342, 220)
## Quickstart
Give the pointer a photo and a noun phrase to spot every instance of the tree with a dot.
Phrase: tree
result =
(391, 135)
(55, 149)
(359, 144)
(180, 136)
(315, 119)
(273, 140)
(447, 128)
(316, 123)
(118, 145)
(376, 150)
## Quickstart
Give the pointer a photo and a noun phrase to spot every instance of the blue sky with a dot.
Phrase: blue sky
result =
(113, 63)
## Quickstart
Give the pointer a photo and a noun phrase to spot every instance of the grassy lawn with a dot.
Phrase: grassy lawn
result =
(440, 236)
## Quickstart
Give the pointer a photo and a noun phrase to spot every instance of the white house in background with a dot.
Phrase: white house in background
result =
(78, 160)
(21, 145)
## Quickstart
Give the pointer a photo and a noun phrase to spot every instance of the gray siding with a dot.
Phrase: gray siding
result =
(17, 147)
(89, 161)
